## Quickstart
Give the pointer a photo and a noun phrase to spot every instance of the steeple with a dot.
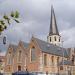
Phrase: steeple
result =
(53, 25)
(53, 36)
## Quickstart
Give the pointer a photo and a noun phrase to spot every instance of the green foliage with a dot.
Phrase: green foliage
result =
(2, 22)
(6, 20)
(16, 14)
(16, 20)
(12, 14)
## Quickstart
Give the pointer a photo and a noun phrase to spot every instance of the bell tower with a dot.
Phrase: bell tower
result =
(53, 36)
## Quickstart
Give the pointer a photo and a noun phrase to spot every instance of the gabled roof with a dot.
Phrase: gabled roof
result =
(51, 49)
(13, 46)
(53, 24)
(25, 44)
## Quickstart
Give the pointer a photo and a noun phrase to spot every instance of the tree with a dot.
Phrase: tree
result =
(6, 20)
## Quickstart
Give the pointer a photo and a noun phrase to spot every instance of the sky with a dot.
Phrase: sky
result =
(35, 20)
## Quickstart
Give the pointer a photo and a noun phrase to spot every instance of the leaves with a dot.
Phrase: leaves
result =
(12, 14)
(5, 17)
(5, 27)
(1, 28)
(16, 21)
(6, 20)
(16, 14)
(2, 22)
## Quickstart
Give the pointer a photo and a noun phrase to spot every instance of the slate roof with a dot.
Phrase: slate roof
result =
(13, 46)
(53, 24)
(25, 44)
(66, 62)
(52, 49)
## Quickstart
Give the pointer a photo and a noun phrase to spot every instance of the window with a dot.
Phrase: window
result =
(45, 59)
(72, 58)
(55, 38)
(59, 39)
(61, 67)
(9, 58)
(52, 59)
(50, 39)
(57, 60)
(19, 56)
(33, 54)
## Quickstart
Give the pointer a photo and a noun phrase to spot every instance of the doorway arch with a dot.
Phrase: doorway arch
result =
(19, 68)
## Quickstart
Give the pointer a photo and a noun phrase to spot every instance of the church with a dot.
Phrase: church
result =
(45, 57)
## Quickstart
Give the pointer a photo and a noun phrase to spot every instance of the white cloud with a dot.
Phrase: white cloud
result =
(35, 19)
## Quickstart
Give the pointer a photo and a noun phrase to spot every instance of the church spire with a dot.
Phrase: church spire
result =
(53, 24)
(53, 36)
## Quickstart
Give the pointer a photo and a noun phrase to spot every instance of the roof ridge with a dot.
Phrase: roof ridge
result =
(47, 42)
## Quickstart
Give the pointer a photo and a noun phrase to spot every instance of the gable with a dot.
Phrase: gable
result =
(12, 48)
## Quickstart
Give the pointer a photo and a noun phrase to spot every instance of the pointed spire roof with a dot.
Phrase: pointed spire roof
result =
(53, 24)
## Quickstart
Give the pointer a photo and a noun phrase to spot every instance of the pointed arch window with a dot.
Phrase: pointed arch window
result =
(52, 59)
(59, 39)
(19, 56)
(9, 58)
(55, 38)
(33, 54)
(50, 39)
(45, 59)
(57, 61)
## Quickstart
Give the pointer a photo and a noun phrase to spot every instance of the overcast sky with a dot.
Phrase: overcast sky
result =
(35, 19)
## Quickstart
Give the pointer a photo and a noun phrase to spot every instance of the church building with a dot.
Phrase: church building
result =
(41, 56)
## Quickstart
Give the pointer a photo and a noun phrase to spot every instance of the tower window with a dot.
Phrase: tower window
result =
(55, 38)
(59, 39)
(50, 39)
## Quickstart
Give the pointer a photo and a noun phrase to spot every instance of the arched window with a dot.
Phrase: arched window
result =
(55, 38)
(45, 59)
(19, 56)
(52, 59)
(9, 58)
(72, 58)
(50, 39)
(33, 54)
(57, 61)
(59, 39)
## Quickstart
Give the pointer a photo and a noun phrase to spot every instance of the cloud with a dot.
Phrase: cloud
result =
(35, 19)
